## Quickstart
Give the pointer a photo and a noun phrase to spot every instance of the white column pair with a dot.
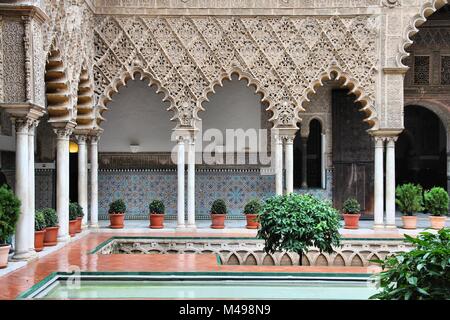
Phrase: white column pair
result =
(379, 179)
(25, 184)
(83, 176)
(181, 181)
(289, 163)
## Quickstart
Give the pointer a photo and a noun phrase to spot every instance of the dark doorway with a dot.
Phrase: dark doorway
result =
(314, 156)
(421, 153)
(352, 149)
(73, 165)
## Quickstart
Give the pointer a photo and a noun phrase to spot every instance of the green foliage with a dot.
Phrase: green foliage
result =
(422, 273)
(351, 206)
(75, 211)
(118, 206)
(409, 198)
(253, 207)
(39, 221)
(157, 206)
(9, 213)
(436, 201)
(219, 207)
(296, 222)
(50, 216)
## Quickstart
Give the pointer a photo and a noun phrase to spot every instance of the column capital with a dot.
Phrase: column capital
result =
(81, 138)
(288, 139)
(63, 133)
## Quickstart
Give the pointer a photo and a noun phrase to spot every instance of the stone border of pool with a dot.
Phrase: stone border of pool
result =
(204, 275)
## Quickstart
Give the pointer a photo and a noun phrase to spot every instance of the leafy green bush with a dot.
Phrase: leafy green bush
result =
(50, 216)
(39, 221)
(157, 206)
(219, 207)
(422, 273)
(409, 198)
(253, 207)
(9, 213)
(116, 207)
(73, 210)
(436, 201)
(296, 222)
(351, 206)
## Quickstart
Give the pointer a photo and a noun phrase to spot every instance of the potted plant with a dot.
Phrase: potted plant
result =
(436, 203)
(116, 212)
(297, 222)
(251, 210)
(73, 222)
(218, 213)
(156, 208)
(39, 231)
(9, 214)
(51, 227)
(79, 212)
(351, 211)
(409, 200)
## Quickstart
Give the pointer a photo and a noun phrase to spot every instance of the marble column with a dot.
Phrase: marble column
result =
(83, 177)
(378, 183)
(390, 182)
(191, 183)
(289, 157)
(31, 181)
(93, 141)
(180, 173)
(22, 235)
(278, 165)
(324, 162)
(62, 182)
(304, 183)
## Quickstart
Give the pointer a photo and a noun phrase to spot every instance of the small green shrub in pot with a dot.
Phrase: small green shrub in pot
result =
(73, 211)
(409, 198)
(219, 207)
(295, 222)
(117, 207)
(436, 201)
(80, 212)
(351, 206)
(422, 273)
(156, 207)
(39, 221)
(9, 213)
(50, 216)
(254, 206)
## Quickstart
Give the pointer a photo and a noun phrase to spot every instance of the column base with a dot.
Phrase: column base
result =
(391, 226)
(94, 226)
(24, 256)
(378, 226)
(180, 227)
(191, 226)
(62, 239)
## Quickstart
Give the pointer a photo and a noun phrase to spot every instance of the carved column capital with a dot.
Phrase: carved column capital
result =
(81, 138)
(63, 133)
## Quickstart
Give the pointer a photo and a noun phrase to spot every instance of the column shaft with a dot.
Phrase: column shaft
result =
(390, 182)
(180, 172)
(22, 235)
(289, 151)
(83, 177)
(62, 182)
(305, 162)
(278, 165)
(378, 181)
(94, 181)
(191, 184)
(31, 182)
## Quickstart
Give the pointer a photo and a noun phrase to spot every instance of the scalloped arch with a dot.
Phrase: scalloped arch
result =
(427, 9)
(251, 82)
(122, 79)
(335, 73)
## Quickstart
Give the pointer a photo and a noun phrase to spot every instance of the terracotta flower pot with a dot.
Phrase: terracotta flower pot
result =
(116, 220)
(218, 221)
(252, 221)
(409, 222)
(39, 240)
(437, 222)
(72, 227)
(156, 220)
(351, 220)
(4, 251)
(51, 235)
(79, 222)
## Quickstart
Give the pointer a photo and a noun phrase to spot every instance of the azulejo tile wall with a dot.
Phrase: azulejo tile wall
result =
(138, 187)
